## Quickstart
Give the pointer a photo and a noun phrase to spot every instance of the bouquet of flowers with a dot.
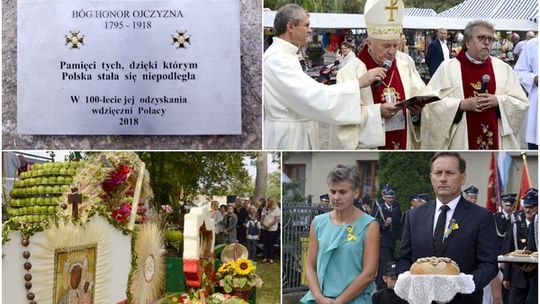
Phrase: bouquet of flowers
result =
(107, 181)
(194, 298)
(238, 275)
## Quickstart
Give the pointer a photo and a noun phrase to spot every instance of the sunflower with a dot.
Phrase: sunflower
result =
(244, 266)
(225, 267)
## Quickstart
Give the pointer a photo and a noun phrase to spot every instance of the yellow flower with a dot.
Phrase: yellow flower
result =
(350, 235)
(455, 226)
(225, 267)
(244, 266)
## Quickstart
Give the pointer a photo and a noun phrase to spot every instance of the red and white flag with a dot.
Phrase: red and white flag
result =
(493, 186)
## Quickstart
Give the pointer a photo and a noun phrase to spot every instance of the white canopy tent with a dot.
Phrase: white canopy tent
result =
(352, 21)
(493, 9)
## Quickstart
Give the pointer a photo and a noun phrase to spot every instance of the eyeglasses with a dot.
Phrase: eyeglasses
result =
(483, 38)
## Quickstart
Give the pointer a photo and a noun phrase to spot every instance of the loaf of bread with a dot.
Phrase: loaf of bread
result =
(520, 253)
(434, 266)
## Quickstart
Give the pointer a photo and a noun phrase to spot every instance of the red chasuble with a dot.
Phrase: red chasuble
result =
(482, 127)
(396, 139)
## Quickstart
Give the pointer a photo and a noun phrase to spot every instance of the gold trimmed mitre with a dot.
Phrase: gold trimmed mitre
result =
(384, 18)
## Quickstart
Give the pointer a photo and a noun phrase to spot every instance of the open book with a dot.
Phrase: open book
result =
(426, 98)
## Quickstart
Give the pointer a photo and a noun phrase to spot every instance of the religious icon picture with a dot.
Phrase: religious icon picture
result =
(74, 275)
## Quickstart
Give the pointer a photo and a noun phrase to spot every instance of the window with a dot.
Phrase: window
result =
(368, 176)
(297, 173)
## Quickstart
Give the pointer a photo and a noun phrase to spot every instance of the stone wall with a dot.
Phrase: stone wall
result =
(250, 139)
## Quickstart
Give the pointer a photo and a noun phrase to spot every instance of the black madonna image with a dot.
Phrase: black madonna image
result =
(128, 227)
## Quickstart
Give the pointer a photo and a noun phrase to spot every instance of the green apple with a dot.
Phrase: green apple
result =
(36, 209)
(65, 188)
(51, 210)
(43, 209)
(71, 171)
(40, 190)
(69, 179)
(56, 189)
(63, 171)
(49, 189)
(40, 201)
(60, 179)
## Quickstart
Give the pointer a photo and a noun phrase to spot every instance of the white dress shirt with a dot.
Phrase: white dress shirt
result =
(445, 50)
(452, 204)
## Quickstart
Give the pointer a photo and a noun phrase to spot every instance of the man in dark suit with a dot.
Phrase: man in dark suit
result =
(502, 219)
(452, 227)
(516, 276)
(437, 51)
(388, 214)
(532, 239)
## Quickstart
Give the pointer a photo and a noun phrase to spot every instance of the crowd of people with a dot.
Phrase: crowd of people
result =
(250, 223)
(352, 248)
(485, 111)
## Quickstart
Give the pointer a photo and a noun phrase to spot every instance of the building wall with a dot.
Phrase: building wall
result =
(318, 164)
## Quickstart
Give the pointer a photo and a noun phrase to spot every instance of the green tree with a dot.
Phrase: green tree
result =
(180, 176)
(408, 172)
(274, 183)
(436, 5)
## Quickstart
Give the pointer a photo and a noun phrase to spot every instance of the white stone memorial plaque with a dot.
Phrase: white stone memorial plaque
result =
(133, 67)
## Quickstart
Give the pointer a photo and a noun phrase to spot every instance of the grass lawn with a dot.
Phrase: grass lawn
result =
(270, 292)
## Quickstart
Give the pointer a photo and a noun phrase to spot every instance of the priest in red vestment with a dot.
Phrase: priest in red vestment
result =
(487, 110)
(399, 131)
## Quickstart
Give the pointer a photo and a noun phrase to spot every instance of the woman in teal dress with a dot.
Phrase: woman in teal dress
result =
(343, 251)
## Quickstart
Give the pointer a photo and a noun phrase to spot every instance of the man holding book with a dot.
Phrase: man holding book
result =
(398, 132)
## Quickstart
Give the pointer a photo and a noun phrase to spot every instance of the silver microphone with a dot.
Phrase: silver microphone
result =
(485, 81)
(387, 64)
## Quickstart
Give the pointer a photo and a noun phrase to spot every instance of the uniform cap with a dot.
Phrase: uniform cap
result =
(531, 197)
(508, 199)
(389, 193)
(390, 269)
(472, 190)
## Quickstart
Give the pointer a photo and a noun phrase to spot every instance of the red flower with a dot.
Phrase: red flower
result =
(118, 216)
(116, 178)
(122, 214)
